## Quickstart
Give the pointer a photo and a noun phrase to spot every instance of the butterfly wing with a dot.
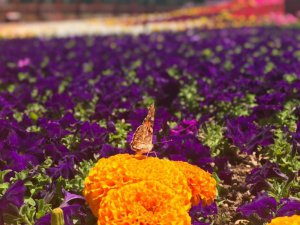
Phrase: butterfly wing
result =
(143, 136)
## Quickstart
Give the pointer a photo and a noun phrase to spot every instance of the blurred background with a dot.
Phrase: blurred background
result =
(67, 17)
(33, 10)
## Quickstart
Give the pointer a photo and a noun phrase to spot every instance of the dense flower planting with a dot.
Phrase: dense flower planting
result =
(223, 98)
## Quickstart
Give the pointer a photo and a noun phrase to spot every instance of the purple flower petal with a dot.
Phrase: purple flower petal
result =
(288, 207)
(246, 135)
(258, 176)
(12, 199)
(263, 206)
(69, 197)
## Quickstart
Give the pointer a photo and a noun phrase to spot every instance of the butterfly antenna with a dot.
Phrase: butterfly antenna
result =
(162, 142)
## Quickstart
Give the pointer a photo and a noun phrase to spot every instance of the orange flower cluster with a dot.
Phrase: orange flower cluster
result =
(286, 220)
(145, 202)
(122, 187)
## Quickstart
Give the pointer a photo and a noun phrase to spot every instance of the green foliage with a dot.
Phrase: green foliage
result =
(290, 78)
(212, 135)
(11, 88)
(18, 116)
(284, 189)
(84, 110)
(88, 67)
(45, 62)
(286, 117)
(64, 84)
(281, 152)
(228, 65)
(3, 185)
(35, 180)
(173, 72)
(71, 141)
(35, 111)
(76, 184)
(189, 97)
(22, 76)
(147, 101)
(269, 67)
(118, 139)
(207, 53)
(238, 107)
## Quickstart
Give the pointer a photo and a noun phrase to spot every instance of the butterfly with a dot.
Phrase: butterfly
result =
(142, 138)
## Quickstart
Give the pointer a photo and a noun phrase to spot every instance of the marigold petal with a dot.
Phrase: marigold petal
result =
(145, 202)
(286, 220)
(202, 184)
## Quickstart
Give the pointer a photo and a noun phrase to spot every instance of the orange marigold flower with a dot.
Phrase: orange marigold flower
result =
(286, 220)
(144, 202)
(189, 182)
(123, 169)
(202, 184)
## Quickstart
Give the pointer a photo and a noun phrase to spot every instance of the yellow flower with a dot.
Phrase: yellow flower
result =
(144, 202)
(190, 183)
(286, 220)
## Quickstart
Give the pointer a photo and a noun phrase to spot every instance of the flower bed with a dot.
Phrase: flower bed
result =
(227, 101)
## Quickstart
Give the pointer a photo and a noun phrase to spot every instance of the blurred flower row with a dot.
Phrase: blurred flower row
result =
(235, 13)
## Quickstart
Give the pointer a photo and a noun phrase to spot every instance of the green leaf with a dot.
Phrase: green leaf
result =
(212, 135)
(30, 201)
(118, 139)
(4, 187)
(2, 175)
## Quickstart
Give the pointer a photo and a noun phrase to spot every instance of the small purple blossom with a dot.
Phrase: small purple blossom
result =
(12, 199)
(258, 176)
(263, 206)
(198, 213)
(246, 135)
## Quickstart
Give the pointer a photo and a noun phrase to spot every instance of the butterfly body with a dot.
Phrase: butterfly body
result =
(142, 138)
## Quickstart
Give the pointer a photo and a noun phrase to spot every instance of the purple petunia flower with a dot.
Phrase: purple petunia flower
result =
(263, 206)
(187, 149)
(266, 208)
(64, 168)
(198, 212)
(258, 176)
(186, 127)
(69, 197)
(268, 105)
(19, 147)
(224, 172)
(108, 150)
(288, 207)
(53, 129)
(294, 139)
(12, 199)
(246, 135)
